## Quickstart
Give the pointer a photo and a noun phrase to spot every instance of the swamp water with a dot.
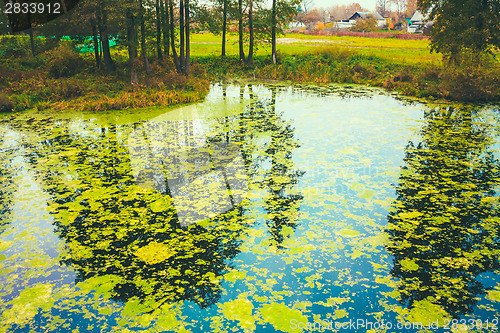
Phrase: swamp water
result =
(263, 208)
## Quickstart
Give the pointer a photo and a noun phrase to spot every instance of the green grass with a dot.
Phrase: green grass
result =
(407, 66)
(395, 50)
(50, 80)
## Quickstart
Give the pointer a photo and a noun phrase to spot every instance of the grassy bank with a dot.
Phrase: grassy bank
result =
(405, 66)
(59, 78)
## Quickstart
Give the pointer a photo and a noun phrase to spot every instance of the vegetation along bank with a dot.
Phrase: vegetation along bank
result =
(134, 56)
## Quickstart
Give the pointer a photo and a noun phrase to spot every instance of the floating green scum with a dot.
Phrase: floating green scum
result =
(264, 208)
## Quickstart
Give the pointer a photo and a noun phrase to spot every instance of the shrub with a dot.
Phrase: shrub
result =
(14, 47)
(404, 75)
(68, 88)
(63, 61)
(430, 74)
(471, 77)
(319, 26)
(368, 24)
(6, 104)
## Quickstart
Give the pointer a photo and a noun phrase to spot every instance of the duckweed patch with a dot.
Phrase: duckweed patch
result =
(359, 205)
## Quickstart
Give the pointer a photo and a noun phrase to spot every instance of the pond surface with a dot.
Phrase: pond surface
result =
(264, 208)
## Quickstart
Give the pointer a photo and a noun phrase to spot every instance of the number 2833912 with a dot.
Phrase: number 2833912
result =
(32, 8)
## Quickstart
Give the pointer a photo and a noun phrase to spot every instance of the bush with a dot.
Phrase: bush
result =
(14, 46)
(368, 24)
(471, 77)
(6, 104)
(63, 61)
(18, 46)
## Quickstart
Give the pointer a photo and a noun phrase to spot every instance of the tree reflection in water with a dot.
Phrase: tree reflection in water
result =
(444, 225)
(281, 203)
(6, 182)
(126, 240)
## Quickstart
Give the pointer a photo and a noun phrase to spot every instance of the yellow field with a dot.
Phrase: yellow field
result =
(396, 50)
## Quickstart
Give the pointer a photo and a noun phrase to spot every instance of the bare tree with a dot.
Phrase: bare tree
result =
(307, 5)
(400, 7)
(311, 18)
(323, 14)
(412, 7)
(382, 7)
(344, 12)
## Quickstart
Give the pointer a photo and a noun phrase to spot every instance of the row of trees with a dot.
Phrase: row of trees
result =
(142, 23)
(397, 10)
(333, 13)
(463, 25)
(460, 27)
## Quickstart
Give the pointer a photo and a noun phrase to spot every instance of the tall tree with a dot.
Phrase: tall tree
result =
(181, 36)
(463, 24)
(282, 12)
(131, 41)
(172, 36)
(224, 26)
(240, 30)
(32, 43)
(158, 29)
(250, 30)
(188, 48)
(165, 26)
(95, 40)
(102, 23)
(143, 37)
(273, 32)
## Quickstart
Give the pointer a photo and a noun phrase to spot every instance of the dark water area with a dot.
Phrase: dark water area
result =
(264, 208)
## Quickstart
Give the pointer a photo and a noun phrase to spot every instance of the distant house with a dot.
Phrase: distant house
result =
(364, 15)
(419, 23)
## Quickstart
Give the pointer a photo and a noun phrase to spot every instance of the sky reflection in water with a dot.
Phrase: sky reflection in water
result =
(327, 204)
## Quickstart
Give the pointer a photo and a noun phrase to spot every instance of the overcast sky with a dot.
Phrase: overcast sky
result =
(369, 4)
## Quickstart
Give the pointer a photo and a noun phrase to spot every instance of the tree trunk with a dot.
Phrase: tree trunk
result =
(224, 28)
(106, 54)
(250, 30)
(143, 38)
(132, 44)
(32, 42)
(188, 48)
(240, 30)
(165, 26)
(100, 53)
(172, 36)
(102, 21)
(96, 44)
(181, 35)
(158, 30)
(273, 32)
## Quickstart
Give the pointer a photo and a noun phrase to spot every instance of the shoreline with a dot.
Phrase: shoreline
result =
(33, 86)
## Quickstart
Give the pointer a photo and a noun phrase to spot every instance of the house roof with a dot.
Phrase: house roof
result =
(364, 15)
(417, 16)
